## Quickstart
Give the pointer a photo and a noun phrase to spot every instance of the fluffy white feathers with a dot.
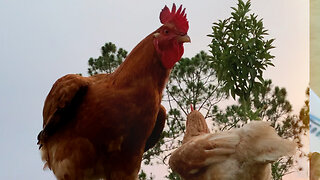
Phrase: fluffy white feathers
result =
(239, 154)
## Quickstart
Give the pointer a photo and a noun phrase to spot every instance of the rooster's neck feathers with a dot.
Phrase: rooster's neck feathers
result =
(143, 61)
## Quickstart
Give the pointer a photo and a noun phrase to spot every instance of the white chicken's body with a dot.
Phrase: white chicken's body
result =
(238, 154)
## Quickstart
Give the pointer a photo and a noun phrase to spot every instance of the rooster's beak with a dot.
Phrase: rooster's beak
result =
(183, 39)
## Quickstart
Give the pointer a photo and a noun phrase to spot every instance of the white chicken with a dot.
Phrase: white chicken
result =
(238, 154)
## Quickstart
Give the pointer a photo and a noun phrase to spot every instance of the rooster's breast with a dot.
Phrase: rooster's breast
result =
(117, 118)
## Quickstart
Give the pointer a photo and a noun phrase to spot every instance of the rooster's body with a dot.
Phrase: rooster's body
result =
(238, 154)
(98, 127)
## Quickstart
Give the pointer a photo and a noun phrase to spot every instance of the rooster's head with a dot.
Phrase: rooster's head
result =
(169, 38)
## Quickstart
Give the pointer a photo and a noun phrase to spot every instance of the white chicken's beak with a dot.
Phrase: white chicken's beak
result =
(183, 39)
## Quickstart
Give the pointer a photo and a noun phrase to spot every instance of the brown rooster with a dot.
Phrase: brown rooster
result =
(238, 154)
(98, 127)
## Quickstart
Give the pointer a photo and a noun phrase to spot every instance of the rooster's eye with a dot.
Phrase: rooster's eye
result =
(166, 31)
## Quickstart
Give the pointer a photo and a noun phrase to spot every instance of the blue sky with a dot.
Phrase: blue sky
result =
(41, 41)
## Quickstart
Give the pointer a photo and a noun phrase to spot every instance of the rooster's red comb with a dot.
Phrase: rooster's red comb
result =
(178, 18)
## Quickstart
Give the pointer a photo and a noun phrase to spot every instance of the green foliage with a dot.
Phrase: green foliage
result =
(279, 168)
(264, 104)
(193, 82)
(304, 112)
(144, 176)
(240, 52)
(173, 176)
(110, 59)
